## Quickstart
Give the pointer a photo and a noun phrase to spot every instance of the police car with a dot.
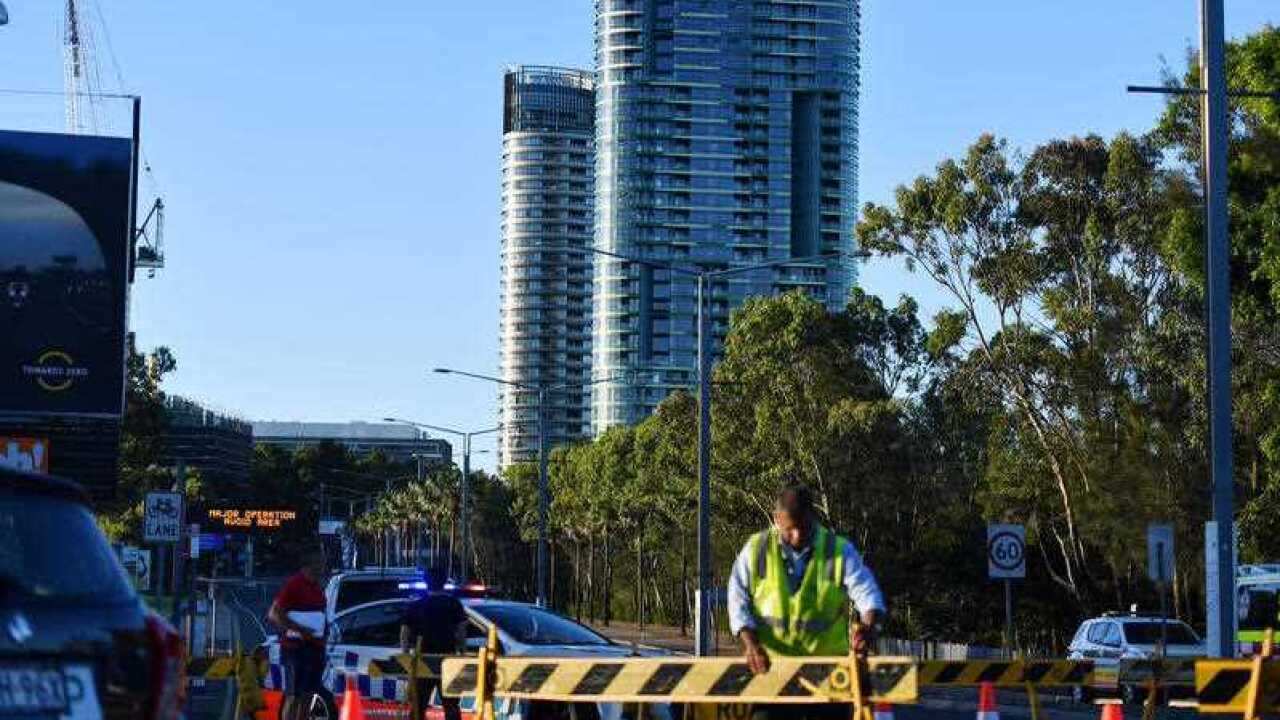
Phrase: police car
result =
(362, 634)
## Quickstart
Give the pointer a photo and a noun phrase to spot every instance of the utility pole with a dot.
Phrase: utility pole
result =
(1213, 80)
(1215, 129)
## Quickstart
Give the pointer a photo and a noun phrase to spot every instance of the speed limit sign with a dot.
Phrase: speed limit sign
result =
(1006, 551)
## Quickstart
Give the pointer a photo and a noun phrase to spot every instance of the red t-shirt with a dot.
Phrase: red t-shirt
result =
(299, 594)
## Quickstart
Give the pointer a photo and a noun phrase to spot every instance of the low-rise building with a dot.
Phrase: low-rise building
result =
(399, 443)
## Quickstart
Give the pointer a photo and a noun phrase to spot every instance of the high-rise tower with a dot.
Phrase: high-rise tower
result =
(547, 155)
(726, 135)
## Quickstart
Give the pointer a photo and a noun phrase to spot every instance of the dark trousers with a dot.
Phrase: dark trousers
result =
(303, 669)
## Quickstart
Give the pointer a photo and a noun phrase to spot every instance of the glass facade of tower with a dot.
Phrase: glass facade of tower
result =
(726, 135)
(545, 316)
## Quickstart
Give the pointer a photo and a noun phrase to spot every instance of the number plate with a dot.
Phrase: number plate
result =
(32, 689)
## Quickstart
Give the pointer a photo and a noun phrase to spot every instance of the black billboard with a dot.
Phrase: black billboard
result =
(64, 258)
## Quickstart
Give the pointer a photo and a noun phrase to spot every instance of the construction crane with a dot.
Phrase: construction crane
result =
(83, 89)
(80, 77)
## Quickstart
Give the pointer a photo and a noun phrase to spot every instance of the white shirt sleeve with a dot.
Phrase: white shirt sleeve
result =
(739, 598)
(860, 583)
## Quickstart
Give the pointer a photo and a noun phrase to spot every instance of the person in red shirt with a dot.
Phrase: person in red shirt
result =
(299, 611)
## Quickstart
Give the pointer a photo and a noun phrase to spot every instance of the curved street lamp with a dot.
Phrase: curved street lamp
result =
(544, 490)
(465, 487)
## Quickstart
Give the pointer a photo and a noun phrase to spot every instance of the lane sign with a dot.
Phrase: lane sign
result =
(162, 521)
(1006, 551)
(1160, 553)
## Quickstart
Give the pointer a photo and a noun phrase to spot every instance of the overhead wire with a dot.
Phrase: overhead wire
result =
(148, 173)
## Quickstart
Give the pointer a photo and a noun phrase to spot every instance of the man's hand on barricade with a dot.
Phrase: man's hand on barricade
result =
(862, 632)
(757, 657)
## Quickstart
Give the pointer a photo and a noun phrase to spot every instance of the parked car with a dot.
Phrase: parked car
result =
(1113, 638)
(76, 641)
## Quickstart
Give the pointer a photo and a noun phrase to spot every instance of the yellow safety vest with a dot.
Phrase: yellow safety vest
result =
(813, 620)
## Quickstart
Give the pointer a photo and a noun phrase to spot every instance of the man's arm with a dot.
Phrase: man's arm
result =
(863, 590)
(742, 617)
(280, 618)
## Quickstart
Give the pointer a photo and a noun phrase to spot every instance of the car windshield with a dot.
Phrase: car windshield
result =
(360, 592)
(534, 626)
(52, 550)
(1148, 633)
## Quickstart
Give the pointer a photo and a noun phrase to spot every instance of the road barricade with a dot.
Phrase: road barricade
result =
(853, 679)
(1006, 673)
(1249, 688)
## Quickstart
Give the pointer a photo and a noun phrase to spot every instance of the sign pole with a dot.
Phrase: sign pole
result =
(1007, 561)
(1008, 617)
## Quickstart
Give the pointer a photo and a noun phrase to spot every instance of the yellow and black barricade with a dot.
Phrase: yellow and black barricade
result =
(720, 681)
(427, 666)
(1249, 688)
(675, 679)
(1239, 687)
(212, 668)
(1006, 673)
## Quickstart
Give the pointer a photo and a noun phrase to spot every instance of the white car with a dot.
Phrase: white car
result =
(351, 588)
(1114, 638)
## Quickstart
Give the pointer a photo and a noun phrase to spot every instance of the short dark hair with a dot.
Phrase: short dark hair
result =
(796, 500)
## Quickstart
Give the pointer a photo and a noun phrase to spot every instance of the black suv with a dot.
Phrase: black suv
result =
(76, 641)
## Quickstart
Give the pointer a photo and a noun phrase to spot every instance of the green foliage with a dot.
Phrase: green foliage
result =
(1063, 388)
(143, 428)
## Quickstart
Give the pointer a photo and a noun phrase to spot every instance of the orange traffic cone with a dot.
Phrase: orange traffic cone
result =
(987, 702)
(1112, 711)
(883, 711)
(352, 705)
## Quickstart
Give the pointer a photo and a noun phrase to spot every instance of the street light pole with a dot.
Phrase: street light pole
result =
(702, 628)
(1213, 79)
(464, 491)
(544, 502)
(464, 507)
(544, 488)
(702, 643)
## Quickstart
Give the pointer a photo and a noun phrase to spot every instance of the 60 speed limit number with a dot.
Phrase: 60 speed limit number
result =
(1006, 551)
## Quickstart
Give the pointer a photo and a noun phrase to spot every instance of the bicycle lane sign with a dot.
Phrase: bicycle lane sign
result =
(1006, 551)
(162, 520)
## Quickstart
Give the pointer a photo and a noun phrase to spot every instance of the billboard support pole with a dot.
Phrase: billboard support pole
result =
(133, 184)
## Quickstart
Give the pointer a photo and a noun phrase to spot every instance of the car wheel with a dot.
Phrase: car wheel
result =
(1131, 694)
(1081, 695)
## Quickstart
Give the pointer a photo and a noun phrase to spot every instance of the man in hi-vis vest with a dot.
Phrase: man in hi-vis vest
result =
(790, 594)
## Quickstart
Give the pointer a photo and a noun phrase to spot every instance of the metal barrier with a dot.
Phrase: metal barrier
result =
(1249, 688)
(853, 679)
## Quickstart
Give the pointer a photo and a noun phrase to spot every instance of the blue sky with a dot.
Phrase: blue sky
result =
(331, 168)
